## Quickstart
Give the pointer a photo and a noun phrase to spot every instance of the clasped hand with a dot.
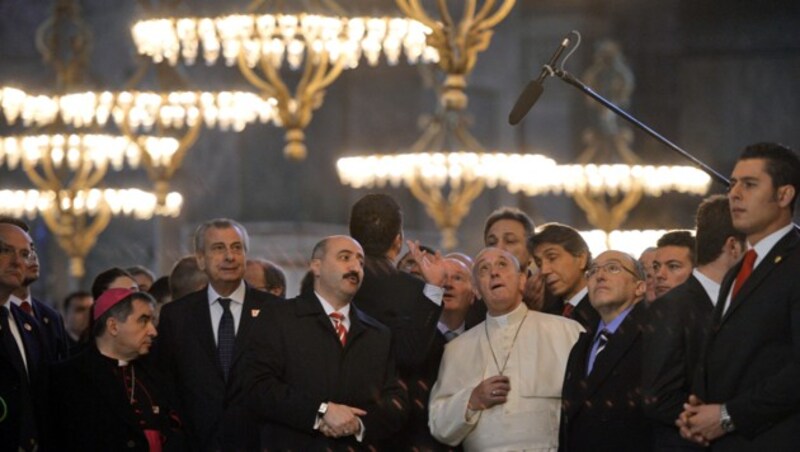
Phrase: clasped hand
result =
(341, 420)
(700, 422)
(490, 392)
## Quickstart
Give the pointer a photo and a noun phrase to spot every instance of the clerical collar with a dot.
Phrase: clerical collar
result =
(512, 318)
(577, 297)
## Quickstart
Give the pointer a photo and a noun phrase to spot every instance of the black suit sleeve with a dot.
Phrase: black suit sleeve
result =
(777, 396)
(388, 413)
(664, 384)
(275, 399)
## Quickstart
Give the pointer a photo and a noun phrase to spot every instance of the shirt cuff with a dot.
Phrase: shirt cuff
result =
(360, 435)
(434, 293)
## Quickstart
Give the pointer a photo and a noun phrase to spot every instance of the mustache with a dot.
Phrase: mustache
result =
(353, 274)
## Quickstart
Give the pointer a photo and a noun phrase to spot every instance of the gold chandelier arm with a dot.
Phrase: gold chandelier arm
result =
(252, 77)
(327, 73)
(184, 144)
(414, 9)
(469, 10)
(89, 178)
(35, 177)
(308, 69)
(484, 11)
(444, 12)
(498, 16)
(279, 89)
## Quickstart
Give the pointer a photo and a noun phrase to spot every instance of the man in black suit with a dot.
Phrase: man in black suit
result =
(51, 324)
(106, 397)
(563, 257)
(747, 392)
(49, 320)
(678, 323)
(323, 375)
(202, 337)
(602, 402)
(675, 259)
(23, 352)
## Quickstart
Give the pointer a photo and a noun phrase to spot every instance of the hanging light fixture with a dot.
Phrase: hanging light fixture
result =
(319, 41)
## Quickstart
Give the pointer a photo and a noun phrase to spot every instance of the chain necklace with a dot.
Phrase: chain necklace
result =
(513, 341)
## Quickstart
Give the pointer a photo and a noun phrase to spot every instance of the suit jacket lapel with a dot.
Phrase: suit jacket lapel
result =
(617, 347)
(201, 316)
(773, 259)
(356, 325)
(250, 310)
(576, 372)
(29, 331)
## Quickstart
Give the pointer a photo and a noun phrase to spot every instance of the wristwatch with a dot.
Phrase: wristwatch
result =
(323, 408)
(725, 420)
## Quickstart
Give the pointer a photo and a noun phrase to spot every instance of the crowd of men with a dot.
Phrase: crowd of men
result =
(532, 344)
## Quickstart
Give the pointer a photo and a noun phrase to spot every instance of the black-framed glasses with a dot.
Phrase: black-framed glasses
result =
(612, 268)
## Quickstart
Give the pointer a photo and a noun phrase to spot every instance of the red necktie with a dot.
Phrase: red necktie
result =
(26, 307)
(567, 312)
(745, 271)
(338, 325)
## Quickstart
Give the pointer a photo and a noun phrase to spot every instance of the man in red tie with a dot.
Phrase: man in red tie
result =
(322, 374)
(563, 257)
(747, 392)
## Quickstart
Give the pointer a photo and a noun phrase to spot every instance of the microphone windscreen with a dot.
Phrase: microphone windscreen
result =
(525, 101)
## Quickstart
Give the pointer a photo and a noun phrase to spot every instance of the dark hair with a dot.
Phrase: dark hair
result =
(781, 163)
(74, 296)
(274, 277)
(120, 311)
(137, 270)
(186, 277)
(375, 221)
(16, 222)
(713, 227)
(218, 223)
(160, 289)
(680, 238)
(508, 213)
(105, 278)
(560, 234)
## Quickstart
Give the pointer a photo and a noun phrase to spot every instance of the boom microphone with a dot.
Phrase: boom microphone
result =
(534, 88)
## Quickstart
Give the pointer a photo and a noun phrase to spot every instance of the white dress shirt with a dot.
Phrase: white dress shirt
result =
(237, 304)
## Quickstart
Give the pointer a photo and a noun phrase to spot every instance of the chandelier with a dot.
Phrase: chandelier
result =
(319, 42)
(447, 168)
(66, 151)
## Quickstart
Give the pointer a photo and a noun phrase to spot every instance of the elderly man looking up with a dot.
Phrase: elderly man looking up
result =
(507, 395)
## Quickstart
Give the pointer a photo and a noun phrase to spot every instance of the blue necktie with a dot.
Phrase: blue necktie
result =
(226, 337)
(602, 341)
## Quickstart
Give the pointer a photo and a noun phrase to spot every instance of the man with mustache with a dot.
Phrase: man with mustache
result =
(563, 257)
(499, 385)
(322, 374)
(106, 397)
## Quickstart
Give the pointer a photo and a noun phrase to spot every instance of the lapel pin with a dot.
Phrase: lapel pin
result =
(27, 326)
(254, 312)
(778, 259)
(46, 320)
(156, 409)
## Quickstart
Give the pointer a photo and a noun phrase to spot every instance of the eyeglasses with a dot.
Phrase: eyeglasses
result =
(23, 254)
(612, 268)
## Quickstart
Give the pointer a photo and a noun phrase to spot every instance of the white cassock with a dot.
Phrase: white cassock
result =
(536, 365)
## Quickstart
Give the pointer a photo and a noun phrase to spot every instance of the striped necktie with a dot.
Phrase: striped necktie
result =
(338, 325)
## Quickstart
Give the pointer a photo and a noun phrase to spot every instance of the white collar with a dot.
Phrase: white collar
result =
(237, 296)
(512, 318)
(345, 310)
(578, 296)
(765, 245)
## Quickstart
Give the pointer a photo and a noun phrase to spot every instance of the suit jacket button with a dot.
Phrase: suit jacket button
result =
(131, 444)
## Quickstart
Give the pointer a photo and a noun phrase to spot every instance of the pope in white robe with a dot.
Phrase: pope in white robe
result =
(499, 384)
